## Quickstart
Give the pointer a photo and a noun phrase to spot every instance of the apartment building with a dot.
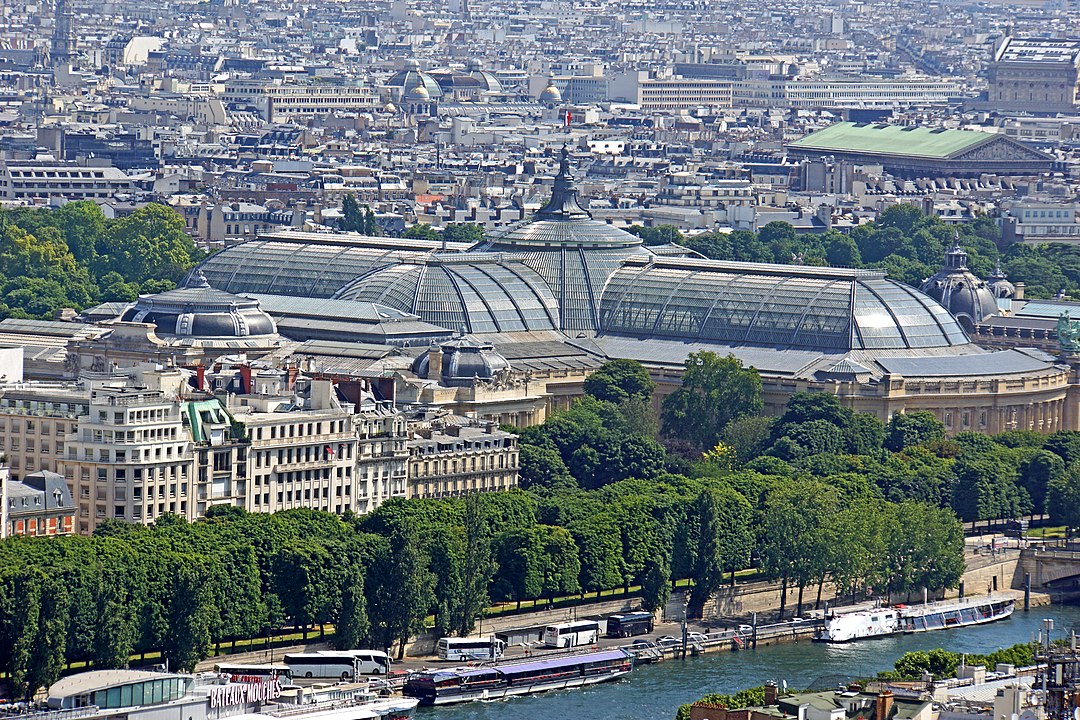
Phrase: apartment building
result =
(455, 461)
(817, 93)
(35, 420)
(299, 455)
(382, 456)
(670, 93)
(39, 505)
(130, 458)
(278, 103)
(52, 179)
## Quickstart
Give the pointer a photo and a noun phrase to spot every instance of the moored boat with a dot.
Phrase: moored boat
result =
(882, 621)
(457, 685)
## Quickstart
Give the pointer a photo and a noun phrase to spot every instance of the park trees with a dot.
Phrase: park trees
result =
(724, 540)
(617, 381)
(905, 430)
(715, 390)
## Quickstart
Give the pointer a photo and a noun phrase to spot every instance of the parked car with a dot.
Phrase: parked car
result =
(640, 644)
(696, 637)
(746, 629)
(668, 641)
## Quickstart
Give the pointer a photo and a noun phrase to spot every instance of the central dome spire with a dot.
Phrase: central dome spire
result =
(563, 204)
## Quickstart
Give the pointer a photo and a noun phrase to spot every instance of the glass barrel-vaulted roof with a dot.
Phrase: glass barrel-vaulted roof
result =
(482, 293)
(315, 269)
(823, 309)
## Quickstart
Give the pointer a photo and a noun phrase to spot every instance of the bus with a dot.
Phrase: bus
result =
(469, 648)
(254, 673)
(573, 634)
(342, 664)
(629, 624)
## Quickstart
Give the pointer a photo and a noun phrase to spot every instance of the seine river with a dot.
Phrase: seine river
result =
(654, 692)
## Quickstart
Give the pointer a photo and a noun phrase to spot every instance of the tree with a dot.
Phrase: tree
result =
(715, 390)
(403, 592)
(620, 380)
(352, 626)
(1037, 472)
(600, 552)
(1063, 498)
(926, 548)
(478, 566)
(791, 532)
(914, 428)
(421, 231)
(748, 436)
(463, 232)
(151, 243)
(352, 216)
(724, 542)
(520, 576)
(114, 636)
(655, 585)
(190, 612)
(543, 467)
(986, 489)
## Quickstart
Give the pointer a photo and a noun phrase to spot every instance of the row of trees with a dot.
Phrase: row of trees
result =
(73, 256)
(906, 243)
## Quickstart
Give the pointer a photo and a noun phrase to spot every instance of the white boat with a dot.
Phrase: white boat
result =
(883, 621)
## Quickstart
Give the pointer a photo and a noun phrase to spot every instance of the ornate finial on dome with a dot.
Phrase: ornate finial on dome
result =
(197, 280)
(563, 204)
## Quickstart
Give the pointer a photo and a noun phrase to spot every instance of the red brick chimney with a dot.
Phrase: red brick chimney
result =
(245, 379)
(200, 377)
(770, 694)
(883, 705)
(292, 372)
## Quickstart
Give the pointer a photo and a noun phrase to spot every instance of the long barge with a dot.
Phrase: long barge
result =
(899, 619)
(468, 684)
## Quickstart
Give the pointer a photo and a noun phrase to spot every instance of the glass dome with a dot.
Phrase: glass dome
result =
(474, 292)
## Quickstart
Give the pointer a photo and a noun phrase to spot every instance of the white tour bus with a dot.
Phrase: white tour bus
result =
(239, 673)
(582, 632)
(342, 664)
(465, 649)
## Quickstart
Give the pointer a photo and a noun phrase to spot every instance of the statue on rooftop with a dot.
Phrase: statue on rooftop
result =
(1068, 332)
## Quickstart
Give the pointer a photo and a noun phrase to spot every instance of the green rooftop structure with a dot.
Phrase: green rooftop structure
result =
(914, 151)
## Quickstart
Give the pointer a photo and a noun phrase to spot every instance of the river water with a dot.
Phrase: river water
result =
(654, 692)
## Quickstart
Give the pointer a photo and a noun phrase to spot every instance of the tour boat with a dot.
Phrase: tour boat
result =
(467, 684)
(883, 621)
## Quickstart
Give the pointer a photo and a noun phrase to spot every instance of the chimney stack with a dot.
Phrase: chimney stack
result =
(434, 368)
(883, 706)
(770, 694)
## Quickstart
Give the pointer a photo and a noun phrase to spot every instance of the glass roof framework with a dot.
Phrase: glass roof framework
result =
(575, 258)
(481, 296)
(736, 306)
(298, 269)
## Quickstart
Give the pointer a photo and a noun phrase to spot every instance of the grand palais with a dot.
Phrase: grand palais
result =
(510, 327)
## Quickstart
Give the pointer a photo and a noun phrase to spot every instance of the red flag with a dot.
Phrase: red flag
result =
(329, 451)
(569, 117)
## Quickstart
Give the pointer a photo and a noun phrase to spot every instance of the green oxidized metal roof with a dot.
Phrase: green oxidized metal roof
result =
(884, 139)
(200, 409)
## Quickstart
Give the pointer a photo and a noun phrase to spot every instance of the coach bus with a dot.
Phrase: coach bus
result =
(572, 634)
(467, 649)
(341, 664)
(629, 624)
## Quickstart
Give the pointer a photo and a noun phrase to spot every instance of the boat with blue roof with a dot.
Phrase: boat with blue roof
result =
(496, 682)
